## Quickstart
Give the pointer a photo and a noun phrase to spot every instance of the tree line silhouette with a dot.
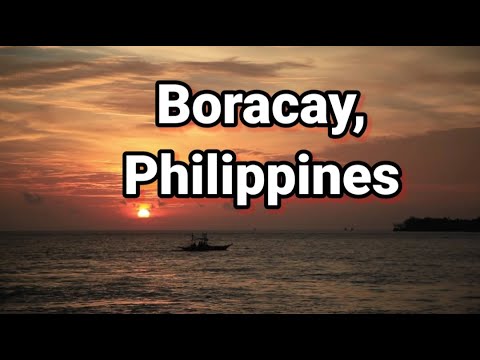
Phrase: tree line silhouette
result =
(438, 224)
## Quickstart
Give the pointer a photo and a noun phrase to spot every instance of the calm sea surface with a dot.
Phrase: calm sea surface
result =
(261, 273)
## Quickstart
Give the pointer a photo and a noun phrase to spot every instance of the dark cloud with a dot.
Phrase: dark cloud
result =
(418, 73)
(128, 102)
(469, 77)
(250, 152)
(35, 74)
(31, 54)
(19, 128)
(446, 157)
(436, 157)
(41, 145)
(9, 67)
(32, 198)
(256, 154)
(416, 111)
(47, 176)
(242, 68)
(456, 52)
(162, 203)
(129, 78)
(20, 72)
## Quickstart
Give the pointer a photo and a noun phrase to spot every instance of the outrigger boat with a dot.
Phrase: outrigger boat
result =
(201, 244)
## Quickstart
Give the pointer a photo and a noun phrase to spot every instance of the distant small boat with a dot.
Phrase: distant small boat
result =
(201, 244)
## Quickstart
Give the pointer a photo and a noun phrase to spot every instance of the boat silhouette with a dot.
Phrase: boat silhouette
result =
(201, 244)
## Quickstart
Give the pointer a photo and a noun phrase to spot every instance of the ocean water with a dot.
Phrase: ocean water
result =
(282, 272)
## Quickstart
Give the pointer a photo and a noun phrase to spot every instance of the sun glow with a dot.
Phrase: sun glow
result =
(143, 213)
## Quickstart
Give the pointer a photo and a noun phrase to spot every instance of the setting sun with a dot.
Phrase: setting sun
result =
(143, 213)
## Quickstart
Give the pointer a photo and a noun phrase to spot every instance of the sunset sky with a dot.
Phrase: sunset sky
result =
(67, 114)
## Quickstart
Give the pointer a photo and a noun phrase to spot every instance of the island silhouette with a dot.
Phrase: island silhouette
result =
(438, 224)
